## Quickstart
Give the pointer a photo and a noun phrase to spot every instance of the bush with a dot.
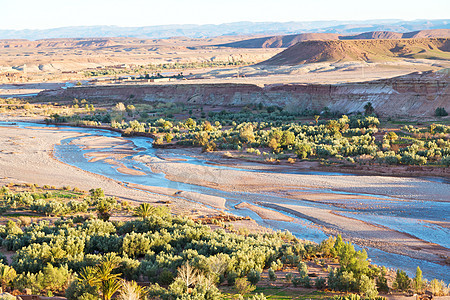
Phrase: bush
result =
(402, 281)
(302, 269)
(437, 287)
(166, 277)
(243, 286)
(253, 276)
(320, 283)
(446, 160)
(440, 112)
(367, 287)
(304, 281)
(272, 275)
(258, 297)
(81, 291)
(231, 278)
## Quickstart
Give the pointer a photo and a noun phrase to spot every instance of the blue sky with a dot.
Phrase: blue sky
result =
(37, 14)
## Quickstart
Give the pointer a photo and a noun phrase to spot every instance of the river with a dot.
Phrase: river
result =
(405, 216)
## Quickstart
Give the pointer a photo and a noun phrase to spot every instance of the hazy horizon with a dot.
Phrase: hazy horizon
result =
(48, 14)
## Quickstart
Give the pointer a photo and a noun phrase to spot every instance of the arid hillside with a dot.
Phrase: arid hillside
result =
(282, 41)
(285, 41)
(362, 50)
(49, 58)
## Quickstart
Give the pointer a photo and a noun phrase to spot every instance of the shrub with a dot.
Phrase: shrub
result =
(243, 286)
(304, 281)
(446, 160)
(258, 297)
(253, 276)
(402, 281)
(440, 112)
(367, 287)
(320, 283)
(78, 290)
(302, 269)
(166, 277)
(272, 275)
(437, 287)
(231, 278)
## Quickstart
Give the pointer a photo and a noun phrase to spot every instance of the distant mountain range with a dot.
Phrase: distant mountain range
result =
(285, 41)
(236, 28)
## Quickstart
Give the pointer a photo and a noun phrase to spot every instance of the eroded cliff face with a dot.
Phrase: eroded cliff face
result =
(417, 94)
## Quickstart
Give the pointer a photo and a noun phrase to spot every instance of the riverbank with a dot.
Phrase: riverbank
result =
(289, 192)
(26, 156)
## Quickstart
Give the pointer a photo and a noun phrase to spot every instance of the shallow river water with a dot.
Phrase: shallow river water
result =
(405, 216)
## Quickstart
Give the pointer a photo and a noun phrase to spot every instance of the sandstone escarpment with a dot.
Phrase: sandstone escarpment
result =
(417, 94)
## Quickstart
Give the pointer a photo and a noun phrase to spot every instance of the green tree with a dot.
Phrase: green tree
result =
(102, 276)
(253, 276)
(368, 108)
(440, 112)
(272, 275)
(402, 281)
(104, 208)
(367, 287)
(417, 281)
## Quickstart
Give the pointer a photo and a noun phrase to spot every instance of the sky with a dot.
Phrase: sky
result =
(42, 14)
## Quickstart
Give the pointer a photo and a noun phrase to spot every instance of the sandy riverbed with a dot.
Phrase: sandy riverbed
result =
(26, 157)
(307, 187)
(231, 180)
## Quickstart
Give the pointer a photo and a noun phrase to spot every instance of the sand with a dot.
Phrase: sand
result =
(231, 180)
(26, 157)
(265, 213)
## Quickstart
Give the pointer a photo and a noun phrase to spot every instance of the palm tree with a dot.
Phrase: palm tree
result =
(144, 210)
(109, 288)
(7, 274)
(316, 118)
(102, 277)
(369, 108)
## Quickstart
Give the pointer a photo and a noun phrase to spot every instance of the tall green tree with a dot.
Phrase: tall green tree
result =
(417, 281)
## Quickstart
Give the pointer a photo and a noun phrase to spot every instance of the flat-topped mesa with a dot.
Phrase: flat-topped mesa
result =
(416, 94)
(361, 50)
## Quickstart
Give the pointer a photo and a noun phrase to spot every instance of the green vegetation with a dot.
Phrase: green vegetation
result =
(261, 133)
(180, 258)
(154, 70)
